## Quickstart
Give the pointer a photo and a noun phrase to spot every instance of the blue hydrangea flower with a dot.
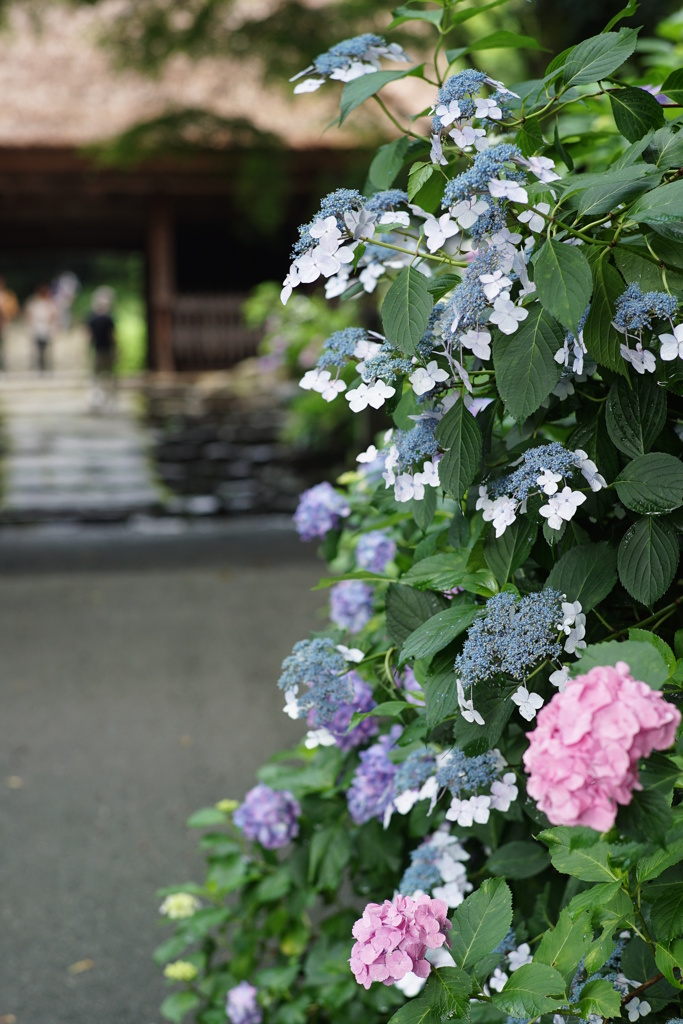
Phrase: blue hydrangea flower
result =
(514, 634)
(491, 163)
(375, 550)
(460, 773)
(635, 309)
(418, 444)
(268, 816)
(419, 766)
(319, 510)
(321, 668)
(351, 605)
(241, 1006)
(336, 204)
(387, 365)
(340, 346)
(552, 457)
(372, 789)
(361, 701)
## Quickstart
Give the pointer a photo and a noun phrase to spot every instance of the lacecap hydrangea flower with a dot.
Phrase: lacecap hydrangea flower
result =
(179, 905)
(241, 1006)
(392, 938)
(372, 789)
(583, 755)
(319, 510)
(336, 729)
(375, 550)
(268, 816)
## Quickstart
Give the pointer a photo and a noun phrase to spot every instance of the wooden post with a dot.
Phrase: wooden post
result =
(161, 269)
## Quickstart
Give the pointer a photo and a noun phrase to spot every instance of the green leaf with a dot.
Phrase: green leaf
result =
(526, 371)
(589, 863)
(597, 896)
(440, 286)
(505, 554)
(654, 864)
(602, 198)
(361, 89)
(648, 816)
(599, 334)
(529, 138)
(586, 573)
(635, 112)
(404, 14)
(625, 12)
(416, 1011)
(406, 308)
(651, 484)
(670, 963)
(601, 998)
(419, 175)
(632, 153)
(563, 946)
(532, 990)
(436, 633)
(667, 913)
(564, 282)
(481, 922)
(329, 853)
(207, 817)
(635, 415)
(388, 162)
(672, 86)
(448, 992)
(501, 40)
(362, 574)
(437, 572)
(661, 646)
(407, 609)
(518, 859)
(599, 56)
(662, 209)
(423, 509)
(177, 1006)
(647, 559)
(171, 948)
(459, 435)
(665, 148)
(645, 663)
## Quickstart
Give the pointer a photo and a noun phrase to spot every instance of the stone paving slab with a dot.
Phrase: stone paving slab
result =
(64, 460)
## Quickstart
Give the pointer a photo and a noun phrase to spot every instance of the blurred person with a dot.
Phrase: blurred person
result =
(103, 342)
(65, 288)
(9, 308)
(41, 315)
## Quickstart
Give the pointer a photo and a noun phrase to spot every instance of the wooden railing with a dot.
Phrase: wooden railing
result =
(208, 332)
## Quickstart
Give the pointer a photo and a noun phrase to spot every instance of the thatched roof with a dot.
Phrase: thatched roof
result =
(59, 88)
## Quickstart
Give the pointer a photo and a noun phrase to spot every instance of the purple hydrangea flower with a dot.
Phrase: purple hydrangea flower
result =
(241, 1006)
(375, 550)
(269, 816)
(413, 692)
(351, 605)
(363, 702)
(320, 508)
(372, 789)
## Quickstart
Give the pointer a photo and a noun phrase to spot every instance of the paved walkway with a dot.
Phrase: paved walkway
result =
(62, 459)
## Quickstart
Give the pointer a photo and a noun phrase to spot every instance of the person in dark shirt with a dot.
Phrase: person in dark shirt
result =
(103, 344)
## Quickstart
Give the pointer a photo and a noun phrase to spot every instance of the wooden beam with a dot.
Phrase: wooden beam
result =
(161, 274)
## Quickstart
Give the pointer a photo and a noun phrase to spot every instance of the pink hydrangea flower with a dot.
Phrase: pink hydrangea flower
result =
(583, 755)
(393, 938)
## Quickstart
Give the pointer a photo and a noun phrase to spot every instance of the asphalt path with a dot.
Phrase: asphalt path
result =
(138, 683)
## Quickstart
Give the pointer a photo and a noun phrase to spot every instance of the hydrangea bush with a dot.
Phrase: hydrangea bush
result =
(482, 819)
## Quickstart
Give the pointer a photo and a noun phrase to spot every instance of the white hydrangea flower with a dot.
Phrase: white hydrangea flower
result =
(369, 455)
(560, 678)
(448, 113)
(590, 471)
(502, 512)
(519, 957)
(542, 167)
(467, 709)
(642, 360)
(494, 284)
(353, 654)
(370, 275)
(468, 211)
(672, 344)
(637, 1008)
(436, 152)
(407, 487)
(533, 217)
(466, 136)
(291, 707)
(390, 464)
(562, 507)
(503, 792)
(497, 980)
(487, 108)
(424, 380)
(528, 702)
(467, 812)
(375, 395)
(319, 738)
(548, 481)
(308, 85)
(437, 231)
(502, 188)
(478, 342)
(507, 315)
(179, 905)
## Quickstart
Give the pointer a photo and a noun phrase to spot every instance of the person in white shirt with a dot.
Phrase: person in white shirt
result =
(41, 315)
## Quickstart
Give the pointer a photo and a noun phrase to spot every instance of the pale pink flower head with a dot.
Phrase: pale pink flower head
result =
(582, 759)
(392, 938)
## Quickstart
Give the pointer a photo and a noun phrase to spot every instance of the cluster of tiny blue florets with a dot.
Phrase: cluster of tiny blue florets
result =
(387, 365)
(335, 205)
(389, 199)
(461, 88)
(468, 304)
(342, 54)
(460, 773)
(416, 769)
(423, 874)
(513, 635)
(340, 346)
(507, 944)
(609, 972)
(491, 163)
(635, 309)
(318, 665)
(418, 444)
(522, 481)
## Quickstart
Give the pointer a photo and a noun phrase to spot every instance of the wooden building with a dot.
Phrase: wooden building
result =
(214, 210)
